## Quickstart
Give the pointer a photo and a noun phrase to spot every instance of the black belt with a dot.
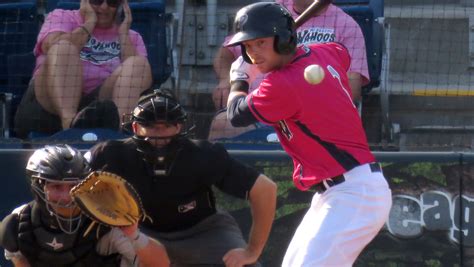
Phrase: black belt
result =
(330, 182)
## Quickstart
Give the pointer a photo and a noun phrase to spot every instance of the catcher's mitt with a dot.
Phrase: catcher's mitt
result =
(108, 199)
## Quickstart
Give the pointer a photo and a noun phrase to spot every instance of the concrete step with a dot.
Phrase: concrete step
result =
(411, 103)
(431, 84)
(422, 122)
(442, 129)
(432, 114)
(436, 141)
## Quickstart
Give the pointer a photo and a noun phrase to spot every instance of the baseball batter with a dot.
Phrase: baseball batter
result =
(319, 127)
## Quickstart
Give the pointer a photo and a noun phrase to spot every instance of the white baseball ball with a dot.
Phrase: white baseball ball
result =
(313, 74)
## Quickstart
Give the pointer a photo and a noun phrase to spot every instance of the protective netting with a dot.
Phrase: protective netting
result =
(413, 60)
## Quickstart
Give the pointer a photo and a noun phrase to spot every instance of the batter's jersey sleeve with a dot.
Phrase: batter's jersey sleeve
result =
(239, 113)
(275, 99)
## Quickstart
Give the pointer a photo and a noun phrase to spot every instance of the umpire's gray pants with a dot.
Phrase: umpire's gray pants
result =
(203, 244)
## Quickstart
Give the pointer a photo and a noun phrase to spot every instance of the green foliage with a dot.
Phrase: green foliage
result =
(433, 263)
(284, 187)
(397, 180)
(276, 172)
(429, 170)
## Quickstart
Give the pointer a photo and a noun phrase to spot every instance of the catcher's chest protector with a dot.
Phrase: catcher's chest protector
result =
(44, 248)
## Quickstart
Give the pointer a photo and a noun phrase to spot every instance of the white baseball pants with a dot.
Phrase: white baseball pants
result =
(341, 221)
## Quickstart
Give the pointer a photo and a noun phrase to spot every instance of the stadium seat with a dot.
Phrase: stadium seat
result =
(150, 21)
(20, 70)
(366, 13)
(19, 26)
(51, 4)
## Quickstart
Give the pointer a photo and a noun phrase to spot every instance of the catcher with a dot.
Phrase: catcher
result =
(49, 231)
(174, 176)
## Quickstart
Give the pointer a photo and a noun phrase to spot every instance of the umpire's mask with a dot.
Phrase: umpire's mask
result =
(158, 108)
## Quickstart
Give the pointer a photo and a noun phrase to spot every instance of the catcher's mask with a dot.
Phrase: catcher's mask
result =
(52, 169)
(159, 107)
(264, 19)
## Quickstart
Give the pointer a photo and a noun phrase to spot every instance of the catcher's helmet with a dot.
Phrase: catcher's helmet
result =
(59, 164)
(159, 106)
(264, 19)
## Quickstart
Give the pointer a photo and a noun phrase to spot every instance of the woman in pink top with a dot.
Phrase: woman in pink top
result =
(82, 56)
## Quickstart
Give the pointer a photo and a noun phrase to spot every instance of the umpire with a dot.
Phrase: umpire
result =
(174, 176)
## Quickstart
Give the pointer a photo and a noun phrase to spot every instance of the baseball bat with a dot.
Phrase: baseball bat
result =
(310, 11)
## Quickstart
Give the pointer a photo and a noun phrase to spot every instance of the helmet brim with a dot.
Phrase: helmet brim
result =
(240, 37)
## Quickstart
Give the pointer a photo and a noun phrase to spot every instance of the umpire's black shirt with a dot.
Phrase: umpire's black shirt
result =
(183, 196)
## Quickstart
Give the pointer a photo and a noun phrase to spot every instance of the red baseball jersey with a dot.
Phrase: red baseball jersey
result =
(318, 125)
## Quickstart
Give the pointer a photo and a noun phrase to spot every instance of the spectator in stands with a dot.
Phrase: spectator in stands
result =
(84, 58)
(331, 24)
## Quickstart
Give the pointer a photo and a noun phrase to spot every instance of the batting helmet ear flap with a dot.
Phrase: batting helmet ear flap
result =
(244, 54)
(284, 44)
(285, 41)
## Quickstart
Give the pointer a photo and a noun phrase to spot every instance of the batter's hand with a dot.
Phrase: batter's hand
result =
(239, 257)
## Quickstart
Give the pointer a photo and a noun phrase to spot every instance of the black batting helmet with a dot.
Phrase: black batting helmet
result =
(159, 106)
(265, 19)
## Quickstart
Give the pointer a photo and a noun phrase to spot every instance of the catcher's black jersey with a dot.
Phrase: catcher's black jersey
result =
(179, 195)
